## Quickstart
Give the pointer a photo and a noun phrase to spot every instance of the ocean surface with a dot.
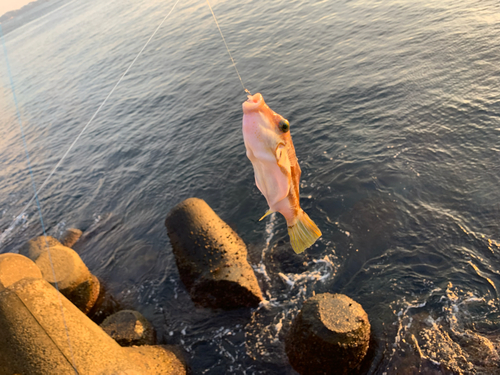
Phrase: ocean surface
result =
(394, 109)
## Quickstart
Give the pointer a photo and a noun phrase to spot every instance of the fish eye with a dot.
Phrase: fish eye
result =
(284, 125)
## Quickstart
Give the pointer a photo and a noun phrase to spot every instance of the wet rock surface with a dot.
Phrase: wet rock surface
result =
(433, 346)
(211, 257)
(330, 335)
(128, 327)
(480, 350)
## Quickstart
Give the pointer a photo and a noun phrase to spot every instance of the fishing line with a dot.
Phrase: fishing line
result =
(95, 114)
(9, 72)
(230, 56)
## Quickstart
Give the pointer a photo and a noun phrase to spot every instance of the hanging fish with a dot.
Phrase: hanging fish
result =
(277, 173)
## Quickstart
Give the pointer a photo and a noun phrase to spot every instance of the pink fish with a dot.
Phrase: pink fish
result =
(277, 173)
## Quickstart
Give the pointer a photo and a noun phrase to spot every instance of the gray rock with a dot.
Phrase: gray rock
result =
(211, 257)
(128, 327)
(330, 335)
(70, 237)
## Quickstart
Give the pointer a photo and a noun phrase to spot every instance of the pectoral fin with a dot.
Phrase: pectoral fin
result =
(283, 160)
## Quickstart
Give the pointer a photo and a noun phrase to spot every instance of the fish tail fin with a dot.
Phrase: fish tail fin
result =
(303, 233)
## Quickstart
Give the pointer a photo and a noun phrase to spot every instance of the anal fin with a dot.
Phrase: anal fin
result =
(269, 212)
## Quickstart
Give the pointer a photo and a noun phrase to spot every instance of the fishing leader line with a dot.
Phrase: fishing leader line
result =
(230, 56)
(92, 118)
(18, 113)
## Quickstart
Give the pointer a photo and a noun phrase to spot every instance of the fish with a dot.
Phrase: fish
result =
(269, 147)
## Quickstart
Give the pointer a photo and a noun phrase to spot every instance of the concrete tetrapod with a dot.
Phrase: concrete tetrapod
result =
(15, 267)
(211, 257)
(44, 333)
(74, 280)
(330, 335)
(35, 247)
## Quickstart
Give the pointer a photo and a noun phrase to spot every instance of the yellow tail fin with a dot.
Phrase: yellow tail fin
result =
(303, 233)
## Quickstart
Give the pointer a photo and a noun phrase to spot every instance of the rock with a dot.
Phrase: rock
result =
(211, 257)
(38, 339)
(86, 294)
(480, 351)
(439, 347)
(72, 276)
(106, 305)
(70, 237)
(15, 267)
(330, 335)
(128, 327)
(33, 248)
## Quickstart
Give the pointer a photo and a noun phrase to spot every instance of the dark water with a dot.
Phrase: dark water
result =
(395, 115)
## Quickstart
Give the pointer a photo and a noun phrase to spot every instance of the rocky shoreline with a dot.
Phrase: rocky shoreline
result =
(56, 332)
(48, 332)
(54, 317)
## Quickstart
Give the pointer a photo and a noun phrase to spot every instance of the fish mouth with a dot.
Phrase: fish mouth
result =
(253, 103)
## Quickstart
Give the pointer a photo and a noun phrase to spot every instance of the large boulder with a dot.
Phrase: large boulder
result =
(211, 257)
(330, 335)
(44, 333)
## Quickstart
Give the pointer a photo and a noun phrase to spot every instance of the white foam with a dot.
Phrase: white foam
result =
(269, 318)
(19, 220)
(261, 267)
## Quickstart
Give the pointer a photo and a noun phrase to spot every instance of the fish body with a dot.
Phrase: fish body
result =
(277, 172)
